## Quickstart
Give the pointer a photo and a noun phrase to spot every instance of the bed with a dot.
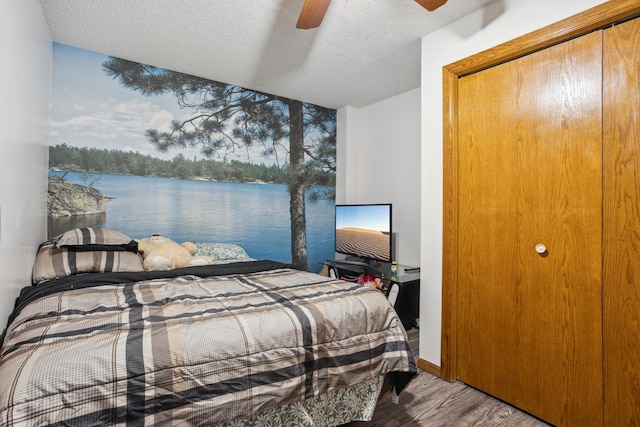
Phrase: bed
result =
(244, 342)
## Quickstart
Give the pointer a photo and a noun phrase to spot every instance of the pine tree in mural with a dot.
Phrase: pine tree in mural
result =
(229, 119)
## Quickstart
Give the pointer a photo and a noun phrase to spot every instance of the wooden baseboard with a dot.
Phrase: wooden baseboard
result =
(430, 368)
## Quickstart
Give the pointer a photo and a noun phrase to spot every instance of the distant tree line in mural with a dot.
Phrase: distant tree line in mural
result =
(228, 119)
(92, 160)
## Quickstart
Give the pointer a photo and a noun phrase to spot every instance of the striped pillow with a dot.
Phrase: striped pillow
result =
(53, 262)
(91, 236)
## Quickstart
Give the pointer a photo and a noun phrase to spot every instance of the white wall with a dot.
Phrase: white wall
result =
(25, 48)
(378, 161)
(499, 22)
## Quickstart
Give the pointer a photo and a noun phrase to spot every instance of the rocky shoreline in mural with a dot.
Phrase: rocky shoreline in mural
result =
(65, 199)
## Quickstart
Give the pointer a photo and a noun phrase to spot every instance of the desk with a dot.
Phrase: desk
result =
(403, 291)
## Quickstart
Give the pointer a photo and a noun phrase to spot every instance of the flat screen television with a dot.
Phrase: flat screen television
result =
(364, 231)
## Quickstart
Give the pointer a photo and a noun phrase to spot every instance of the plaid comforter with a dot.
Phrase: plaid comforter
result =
(204, 345)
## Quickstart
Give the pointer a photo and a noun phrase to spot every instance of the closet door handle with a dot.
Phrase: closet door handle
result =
(541, 249)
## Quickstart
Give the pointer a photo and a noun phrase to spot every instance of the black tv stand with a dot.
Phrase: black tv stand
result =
(357, 263)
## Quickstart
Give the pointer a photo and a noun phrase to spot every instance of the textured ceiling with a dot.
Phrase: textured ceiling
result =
(364, 51)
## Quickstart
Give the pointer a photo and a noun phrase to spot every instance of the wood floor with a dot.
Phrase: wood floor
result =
(431, 401)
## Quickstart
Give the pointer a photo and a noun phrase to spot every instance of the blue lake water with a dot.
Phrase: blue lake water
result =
(254, 216)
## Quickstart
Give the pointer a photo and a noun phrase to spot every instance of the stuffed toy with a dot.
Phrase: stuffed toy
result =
(162, 253)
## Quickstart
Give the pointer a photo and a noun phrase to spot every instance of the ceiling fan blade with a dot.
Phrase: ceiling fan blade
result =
(312, 13)
(431, 5)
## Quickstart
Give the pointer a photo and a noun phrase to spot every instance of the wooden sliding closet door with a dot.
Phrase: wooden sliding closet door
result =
(622, 224)
(529, 324)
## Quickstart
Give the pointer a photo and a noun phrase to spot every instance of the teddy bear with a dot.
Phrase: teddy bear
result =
(161, 253)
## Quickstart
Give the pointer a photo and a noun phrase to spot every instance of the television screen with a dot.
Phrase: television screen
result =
(364, 231)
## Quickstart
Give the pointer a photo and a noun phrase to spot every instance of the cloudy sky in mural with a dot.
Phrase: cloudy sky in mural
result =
(90, 109)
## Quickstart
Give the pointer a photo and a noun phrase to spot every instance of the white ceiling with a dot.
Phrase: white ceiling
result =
(364, 51)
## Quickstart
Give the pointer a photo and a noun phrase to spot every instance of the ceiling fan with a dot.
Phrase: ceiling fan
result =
(313, 11)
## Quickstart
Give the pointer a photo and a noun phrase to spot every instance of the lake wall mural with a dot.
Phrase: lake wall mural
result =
(189, 158)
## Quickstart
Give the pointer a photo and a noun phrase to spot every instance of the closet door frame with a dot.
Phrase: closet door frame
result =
(597, 17)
